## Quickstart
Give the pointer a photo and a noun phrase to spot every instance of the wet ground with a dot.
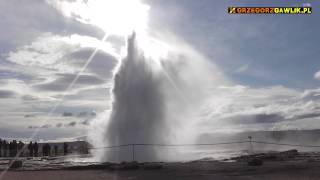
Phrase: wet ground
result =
(196, 170)
(48, 163)
(276, 165)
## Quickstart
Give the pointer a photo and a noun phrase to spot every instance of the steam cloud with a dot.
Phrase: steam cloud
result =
(138, 109)
(151, 103)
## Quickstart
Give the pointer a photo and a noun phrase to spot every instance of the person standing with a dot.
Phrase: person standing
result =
(46, 149)
(49, 150)
(10, 149)
(30, 147)
(36, 149)
(1, 146)
(65, 148)
(20, 148)
(14, 148)
(56, 150)
(5, 148)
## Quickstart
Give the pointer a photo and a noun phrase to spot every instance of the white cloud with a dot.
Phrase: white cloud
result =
(50, 51)
(317, 75)
(52, 61)
(239, 108)
(36, 74)
(24, 20)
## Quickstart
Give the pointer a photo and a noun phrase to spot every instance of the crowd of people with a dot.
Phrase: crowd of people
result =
(10, 148)
(33, 149)
(14, 148)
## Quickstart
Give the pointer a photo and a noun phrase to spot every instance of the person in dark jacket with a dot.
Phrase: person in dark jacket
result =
(65, 148)
(5, 148)
(14, 148)
(30, 147)
(46, 149)
(20, 148)
(1, 146)
(36, 149)
(56, 150)
(10, 149)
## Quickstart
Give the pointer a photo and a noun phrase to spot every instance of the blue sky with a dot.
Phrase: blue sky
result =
(263, 57)
(275, 49)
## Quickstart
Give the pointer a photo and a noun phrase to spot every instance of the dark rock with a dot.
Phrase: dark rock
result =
(130, 166)
(271, 156)
(87, 167)
(290, 153)
(125, 166)
(152, 166)
(255, 162)
(16, 164)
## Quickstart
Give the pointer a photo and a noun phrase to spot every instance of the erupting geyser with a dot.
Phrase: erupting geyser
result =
(154, 101)
(138, 108)
(138, 112)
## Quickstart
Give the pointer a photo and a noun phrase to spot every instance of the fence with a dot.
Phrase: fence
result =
(250, 142)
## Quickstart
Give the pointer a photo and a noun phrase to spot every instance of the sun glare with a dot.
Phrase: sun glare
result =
(118, 17)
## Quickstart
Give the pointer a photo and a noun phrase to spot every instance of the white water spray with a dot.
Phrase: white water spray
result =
(153, 102)
(138, 107)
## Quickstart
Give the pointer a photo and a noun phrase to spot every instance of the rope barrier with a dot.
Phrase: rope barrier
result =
(285, 144)
(207, 144)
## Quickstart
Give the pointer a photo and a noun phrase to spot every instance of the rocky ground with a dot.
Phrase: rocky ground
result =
(275, 165)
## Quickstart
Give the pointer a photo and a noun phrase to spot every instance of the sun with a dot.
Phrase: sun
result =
(117, 17)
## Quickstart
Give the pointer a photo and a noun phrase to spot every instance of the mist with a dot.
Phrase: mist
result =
(154, 101)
